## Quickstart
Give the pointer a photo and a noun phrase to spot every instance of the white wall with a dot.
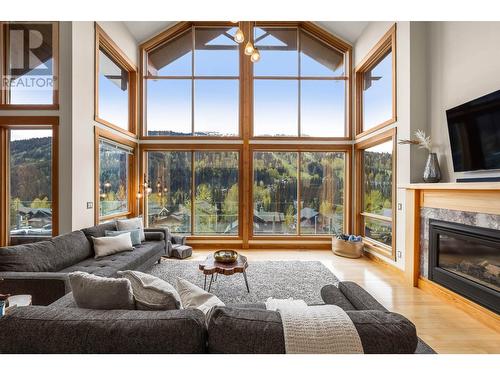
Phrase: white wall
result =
(83, 112)
(463, 63)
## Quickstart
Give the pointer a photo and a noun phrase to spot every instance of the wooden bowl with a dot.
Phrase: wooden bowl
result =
(226, 256)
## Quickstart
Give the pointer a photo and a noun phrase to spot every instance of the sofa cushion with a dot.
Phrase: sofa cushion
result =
(151, 292)
(45, 329)
(257, 331)
(99, 230)
(111, 264)
(104, 246)
(46, 256)
(193, 297)
(332, 295)
(131, 224)
(101, 293)
(135, 235)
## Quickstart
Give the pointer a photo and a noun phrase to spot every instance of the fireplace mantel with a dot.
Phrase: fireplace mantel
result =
(455, 199)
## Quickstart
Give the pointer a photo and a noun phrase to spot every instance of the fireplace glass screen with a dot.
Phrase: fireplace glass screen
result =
(475, 261)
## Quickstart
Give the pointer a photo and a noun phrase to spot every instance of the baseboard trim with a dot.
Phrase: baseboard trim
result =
(478, 312)
(382, 262)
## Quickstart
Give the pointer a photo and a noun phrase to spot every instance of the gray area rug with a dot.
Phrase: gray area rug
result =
(277, 279)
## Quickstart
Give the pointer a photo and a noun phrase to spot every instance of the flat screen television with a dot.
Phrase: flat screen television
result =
(474, 130)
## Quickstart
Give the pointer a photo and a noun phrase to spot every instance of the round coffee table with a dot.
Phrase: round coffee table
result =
(210, 267)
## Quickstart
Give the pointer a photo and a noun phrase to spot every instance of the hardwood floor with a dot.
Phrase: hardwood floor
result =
(446, 328)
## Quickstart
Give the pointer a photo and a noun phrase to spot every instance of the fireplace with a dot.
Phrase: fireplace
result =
(466, 260)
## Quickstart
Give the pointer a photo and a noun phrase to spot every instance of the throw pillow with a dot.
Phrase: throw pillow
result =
(152, 293)
(104, 246)
(130, 224)
(135, 235)
(101, 293)
(193, 297)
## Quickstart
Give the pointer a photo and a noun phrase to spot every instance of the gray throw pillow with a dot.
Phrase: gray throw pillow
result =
(135, 235)
(104, 246)
(130, 224)
(152, 293)
(101, 293)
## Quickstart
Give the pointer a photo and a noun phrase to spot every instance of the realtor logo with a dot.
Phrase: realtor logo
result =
(30, 57)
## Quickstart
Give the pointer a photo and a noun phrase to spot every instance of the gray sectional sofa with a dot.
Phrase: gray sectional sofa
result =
(41, 268)
(64, 328)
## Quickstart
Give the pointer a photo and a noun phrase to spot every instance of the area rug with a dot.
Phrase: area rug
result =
(278, 279)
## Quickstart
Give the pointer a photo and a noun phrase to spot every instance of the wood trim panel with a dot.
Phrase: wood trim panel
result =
(27, 122)
(104, 41)
(412, 238)
(4, 105)
(478, 312)
(381, 261)
(462, 200)
(386, 43)
(133, 178)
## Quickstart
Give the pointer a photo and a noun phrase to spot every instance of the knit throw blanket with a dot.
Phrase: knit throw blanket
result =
(325, 329)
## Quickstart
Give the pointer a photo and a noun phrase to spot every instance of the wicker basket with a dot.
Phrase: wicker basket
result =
(347, 249)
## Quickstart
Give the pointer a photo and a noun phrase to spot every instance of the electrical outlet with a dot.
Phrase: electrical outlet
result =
(400, 206)
(90, 205)
(399, 254)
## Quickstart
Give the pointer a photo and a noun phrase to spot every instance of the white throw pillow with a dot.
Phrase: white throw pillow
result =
(104, 246)
(151, 292)
(131, 224)
(193, 297)
(101, 293)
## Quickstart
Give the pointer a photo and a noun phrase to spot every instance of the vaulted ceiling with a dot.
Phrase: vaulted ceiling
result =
(347, 30)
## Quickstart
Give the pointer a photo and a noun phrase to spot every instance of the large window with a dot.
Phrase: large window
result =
(239, 151)
(29, 180)
(114, 176)
(298, 192)
(300, 86)
(376, 86)
(192, 84)
(376, 192)
(29, 67)
(115, 84)
(210, 179)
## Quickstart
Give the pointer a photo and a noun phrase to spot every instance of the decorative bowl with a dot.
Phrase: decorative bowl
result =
(226, 256)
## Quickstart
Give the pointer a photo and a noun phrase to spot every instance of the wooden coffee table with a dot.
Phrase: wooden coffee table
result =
(210, 267)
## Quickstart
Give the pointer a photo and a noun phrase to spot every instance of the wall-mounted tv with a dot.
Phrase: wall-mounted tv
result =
(474, 130)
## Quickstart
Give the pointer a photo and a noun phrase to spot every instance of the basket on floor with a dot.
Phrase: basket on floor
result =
(347, 249)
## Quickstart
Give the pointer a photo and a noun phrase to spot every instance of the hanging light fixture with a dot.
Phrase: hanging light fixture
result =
(249, 48)
(239, 37)
(255, 55)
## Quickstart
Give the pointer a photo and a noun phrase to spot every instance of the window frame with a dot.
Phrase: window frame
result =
(163, 38)
(377, 53)
(101, 134)
(360, 147)
(4, 47)
(8, 123)
(103, 41)
(145, 148)
(346, 149)
(245, 142)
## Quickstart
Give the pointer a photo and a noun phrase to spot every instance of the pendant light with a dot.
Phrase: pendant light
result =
(249, 48)
(239, 37)
(255, 56)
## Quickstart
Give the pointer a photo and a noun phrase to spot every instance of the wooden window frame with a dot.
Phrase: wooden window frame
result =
(145, 148)
(4, 47)
(246, 78)
(360, 147)
(103, 41)
(101, 134)
(346, 149)
(27, 122)
(377, 53)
